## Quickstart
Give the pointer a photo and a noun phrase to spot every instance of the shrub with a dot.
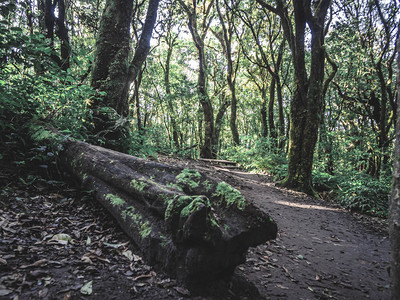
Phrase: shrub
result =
(362, 192)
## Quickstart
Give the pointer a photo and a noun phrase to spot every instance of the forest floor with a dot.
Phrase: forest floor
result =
(57, 243)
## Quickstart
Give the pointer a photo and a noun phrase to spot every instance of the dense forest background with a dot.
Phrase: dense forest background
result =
(217, 79)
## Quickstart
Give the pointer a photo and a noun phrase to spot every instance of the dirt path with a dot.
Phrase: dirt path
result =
(321, 252)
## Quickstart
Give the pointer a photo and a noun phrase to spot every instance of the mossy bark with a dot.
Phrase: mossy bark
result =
(193, 227)
(111, 65)
(394, 211)
(306, 105)
(113, 73)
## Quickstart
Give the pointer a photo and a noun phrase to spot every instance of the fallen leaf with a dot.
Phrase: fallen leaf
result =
(87, 288)
(113, 245)
(128, 254)
(86, 259)
(88, 241)
(68, 296)
(282, 287)
(5, 292)
(38, 263)
(182, 291)
(137, 258)
(43, 293)
(47, 280)
(62, 238)
(152, 274)
(93, 256)
(3, 261)
(317, 277)
(300, 256)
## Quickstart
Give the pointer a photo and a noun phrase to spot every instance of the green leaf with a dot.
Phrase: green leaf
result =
(16, 29)
(87, 288)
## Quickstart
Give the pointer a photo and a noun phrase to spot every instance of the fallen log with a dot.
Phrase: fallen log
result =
(218, 161)
(190, 225)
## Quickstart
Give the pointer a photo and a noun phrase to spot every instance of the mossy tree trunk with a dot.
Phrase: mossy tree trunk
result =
(306, 104)
(225, 37)
(394, 212)
(113, 73)
(188, 224)
(199, 32)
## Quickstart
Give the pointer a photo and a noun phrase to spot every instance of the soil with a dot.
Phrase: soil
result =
(57, 243)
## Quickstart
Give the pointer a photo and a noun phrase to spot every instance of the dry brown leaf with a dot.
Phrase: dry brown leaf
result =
(38, 263)
(68, 296)
(182, 291)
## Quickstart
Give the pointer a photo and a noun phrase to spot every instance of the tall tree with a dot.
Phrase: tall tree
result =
(394, 213)
(112, 71)
(306, 104)
(370, 27)
(55, 26)
(268, 60)
(225, 36)
(199, 21)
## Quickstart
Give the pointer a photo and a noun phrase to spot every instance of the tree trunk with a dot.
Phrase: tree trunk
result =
(48, 24)
(175, 132)
(207, 149)
(394, 211)
(112, 71)
(218, 121)
(271, 123)
(188, 224)
(306, 105)
(263, 112)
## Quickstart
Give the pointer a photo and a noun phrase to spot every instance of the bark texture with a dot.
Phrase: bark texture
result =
(113, 73)
(193, 227)
(306, 105)
(394, 214)
(198, 33)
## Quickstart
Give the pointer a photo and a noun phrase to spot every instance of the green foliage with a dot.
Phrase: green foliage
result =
(258, 154)
(364, 193)
(188, 179)
(32, 86)
(229, 196)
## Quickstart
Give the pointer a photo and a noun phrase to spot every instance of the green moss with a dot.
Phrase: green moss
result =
(164, 241)
(138, 185)
(230, 196)
(175, 204)
(194, 205)
(188, 178)
(183, 206)
(115, 200)
(166, 198)
(144, 228)
(207, 185)
(214, 222)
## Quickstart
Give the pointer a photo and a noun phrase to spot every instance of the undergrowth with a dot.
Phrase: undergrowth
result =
(352, 189)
